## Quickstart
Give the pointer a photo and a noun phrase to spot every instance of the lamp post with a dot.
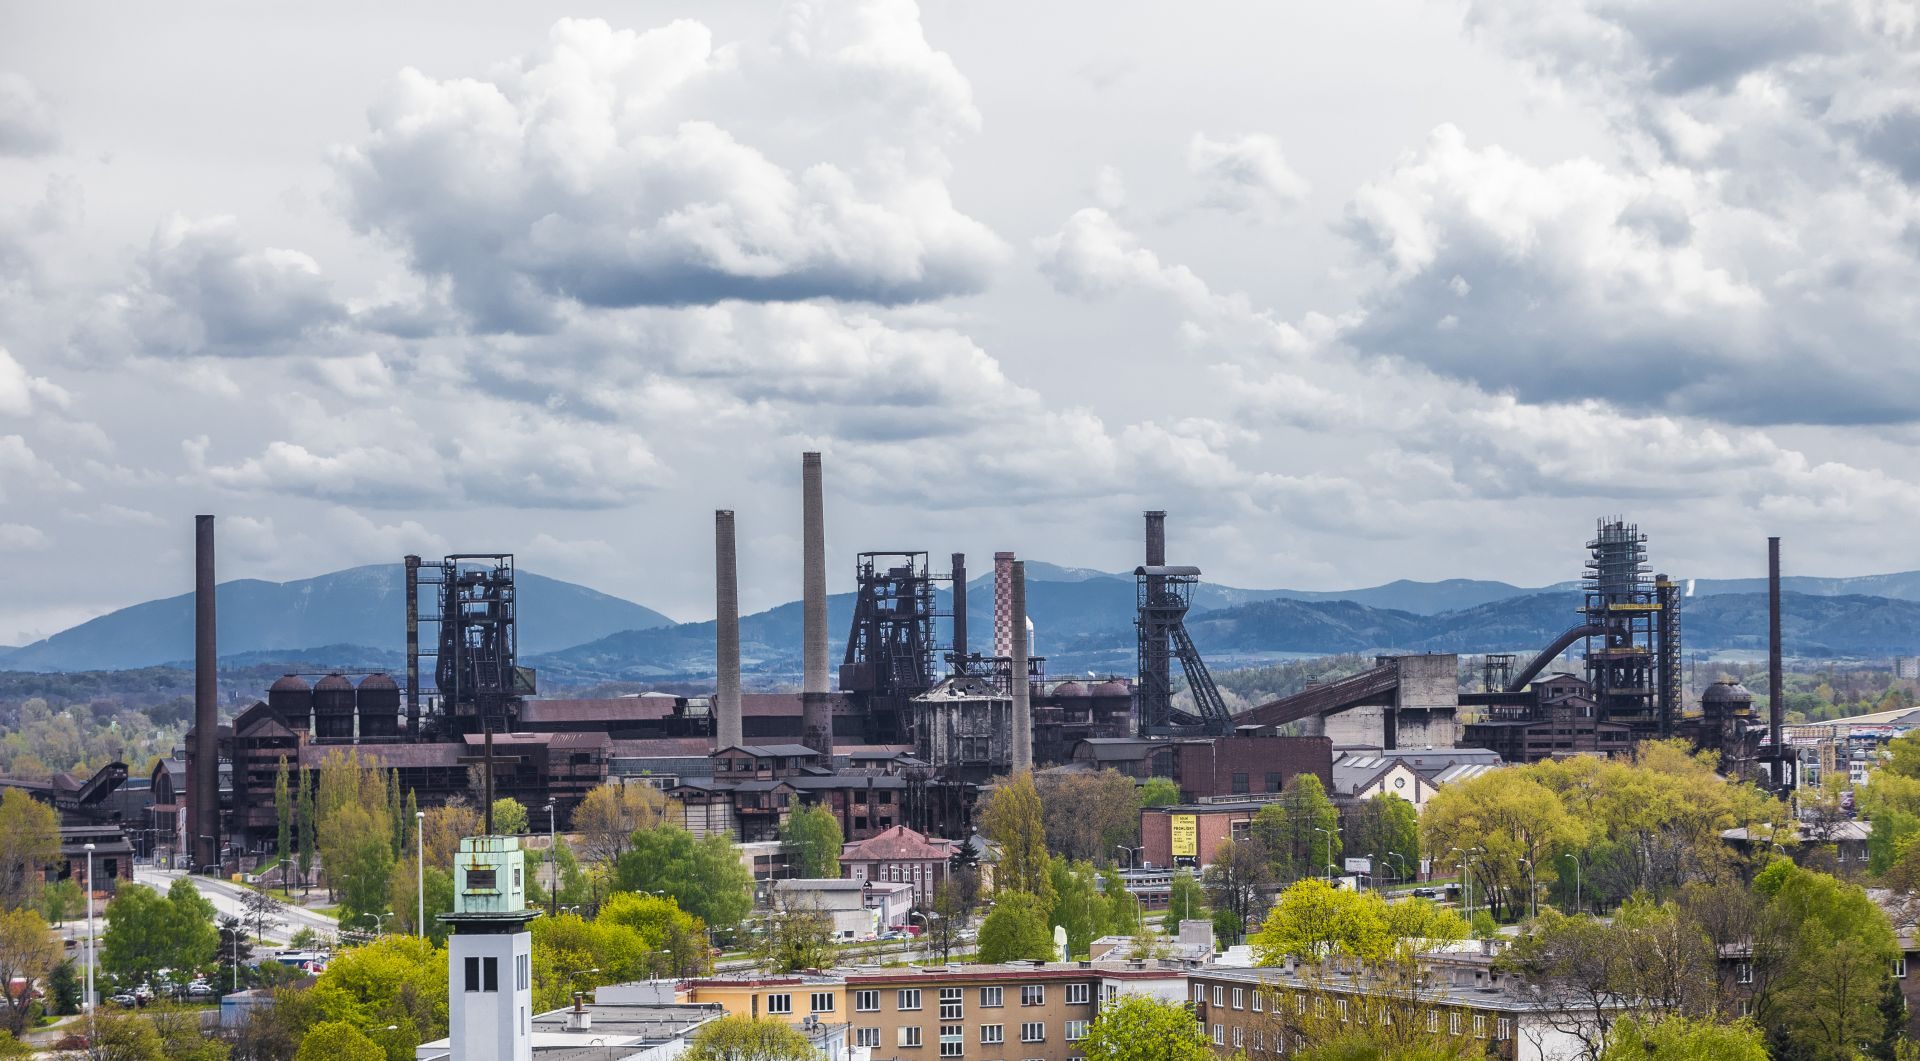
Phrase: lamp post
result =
(1466, 882)
(90, 954)
(1329, 834)
(1533, 889)
(1133, 854)
(420, 871)
(1576, 879)
(553, 866)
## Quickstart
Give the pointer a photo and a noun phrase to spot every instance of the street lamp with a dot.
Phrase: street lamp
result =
(1329, 833)
(420, 871)
(379, 923)
(1576, 879)
(553, 867)
(90, 955)
(1133, 854)
(1533, 889)
(1466, 882)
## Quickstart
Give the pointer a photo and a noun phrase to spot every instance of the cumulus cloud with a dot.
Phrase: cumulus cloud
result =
(19, 392)
(1246, 175)
(26, 121)
(20, 538)
(200, 289)
(622, 168)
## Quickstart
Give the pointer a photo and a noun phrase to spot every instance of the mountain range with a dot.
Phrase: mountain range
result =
(1083, 621)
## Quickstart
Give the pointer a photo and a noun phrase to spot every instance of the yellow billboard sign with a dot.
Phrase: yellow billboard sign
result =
(1186, 836)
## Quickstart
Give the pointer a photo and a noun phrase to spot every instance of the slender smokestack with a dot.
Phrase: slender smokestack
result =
(1776, 682)
(1022, 707)
(413, 646)
(726, 634)
(1003, 604)
(205, 824)
(816, 704)
(1156, 539)
(959, 613)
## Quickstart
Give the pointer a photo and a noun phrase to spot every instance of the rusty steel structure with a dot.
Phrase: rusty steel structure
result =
(890, 648)
(1163, 594)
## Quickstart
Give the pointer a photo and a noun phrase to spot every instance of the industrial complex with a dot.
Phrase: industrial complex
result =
(915, 720)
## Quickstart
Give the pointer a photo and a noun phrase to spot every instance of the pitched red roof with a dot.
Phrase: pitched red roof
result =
(897, 844)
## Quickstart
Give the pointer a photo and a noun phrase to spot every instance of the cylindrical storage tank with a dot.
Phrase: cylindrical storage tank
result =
(1069, 689)
(379, 707)
(1112, 688)
(1726, 698)
(292, 699)
(333, 706)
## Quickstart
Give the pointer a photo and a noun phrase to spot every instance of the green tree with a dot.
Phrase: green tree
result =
(61, 900)
(394, 806)
(1313, 921)
(63, 989)
(1386, 829)
(1141, 1028)
(704, 876)
(1013, 819)
(1159, 792)
(797, 936)
(1122, 913)
(29, 843)
(28, 951)
(308, 842)
(1236, 884)
(1088, 815)
(609, 815)
(1077, 906)
(1682, 1039)
(1822, 954)
(394, 980)
(1186, 901)
(354, 830)
(509, 816)
(1300, 831)
(147, 931)
(283, 814)
(335, 1040)
(1505, 820)
(122, 1036)
(737, 1038)
(811, 838)
(1016, 928)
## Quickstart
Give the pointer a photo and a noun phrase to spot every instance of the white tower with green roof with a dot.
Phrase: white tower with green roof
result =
(490, 952)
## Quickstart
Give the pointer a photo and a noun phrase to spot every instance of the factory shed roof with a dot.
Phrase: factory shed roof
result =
(771, 751)
(1461, 772)
(898, 844)
(853, 781)
(617, 709)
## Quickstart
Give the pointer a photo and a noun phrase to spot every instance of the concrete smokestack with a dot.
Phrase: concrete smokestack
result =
(959, 613)
(1156, 539)
(1776, 680)
(1003, 604)
(204, 822)
(726, 634)
(1022, 704)
(816, 705)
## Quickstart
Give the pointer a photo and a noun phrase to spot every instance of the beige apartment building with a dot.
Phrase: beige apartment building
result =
(1018, 1011)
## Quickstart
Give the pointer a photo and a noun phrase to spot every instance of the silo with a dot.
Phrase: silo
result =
(292, 698)
(333, 707)
(379, 707)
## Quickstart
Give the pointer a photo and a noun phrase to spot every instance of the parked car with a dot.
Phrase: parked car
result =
(125, 998)
(199, 989)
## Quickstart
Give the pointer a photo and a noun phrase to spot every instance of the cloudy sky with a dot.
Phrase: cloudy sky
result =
(1356, 291)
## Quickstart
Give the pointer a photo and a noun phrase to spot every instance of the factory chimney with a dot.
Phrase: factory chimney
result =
(204, 822)
(1003, 605)
(959, 613)
(1022, 704)
(1156, 539)
(1776, 682)
(726, 635)
(816, 703)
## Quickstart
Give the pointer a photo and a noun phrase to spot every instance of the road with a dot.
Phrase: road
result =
(228, 897)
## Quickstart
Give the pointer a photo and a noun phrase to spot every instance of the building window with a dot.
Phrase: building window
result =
(483, 974)
(1219, 1035)
(950, 1004)
(1239, 784)
(1113, 992)
(1433, 1020)
(1744, 972)
(1300, 1005)
(1219, 995)
(909, 999)
(1239, 1036)
(1342, 1004)
(867, 1001)
(1259, 1002)
(1503, 1028)
(1033, 1032)
(779, 1003)
(1033, 995)
(1900, 967)
(1239, 999)
(1199, 993)
(523, 972)
(993, 997)
(1479, 1026)
(953, 1041)
(910, 1035)
(1076, 1030)
(1273, 782)
(1453, 1022)
(822, 1002)
(866, 1037)
(1079, 994)
(993, 1034)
